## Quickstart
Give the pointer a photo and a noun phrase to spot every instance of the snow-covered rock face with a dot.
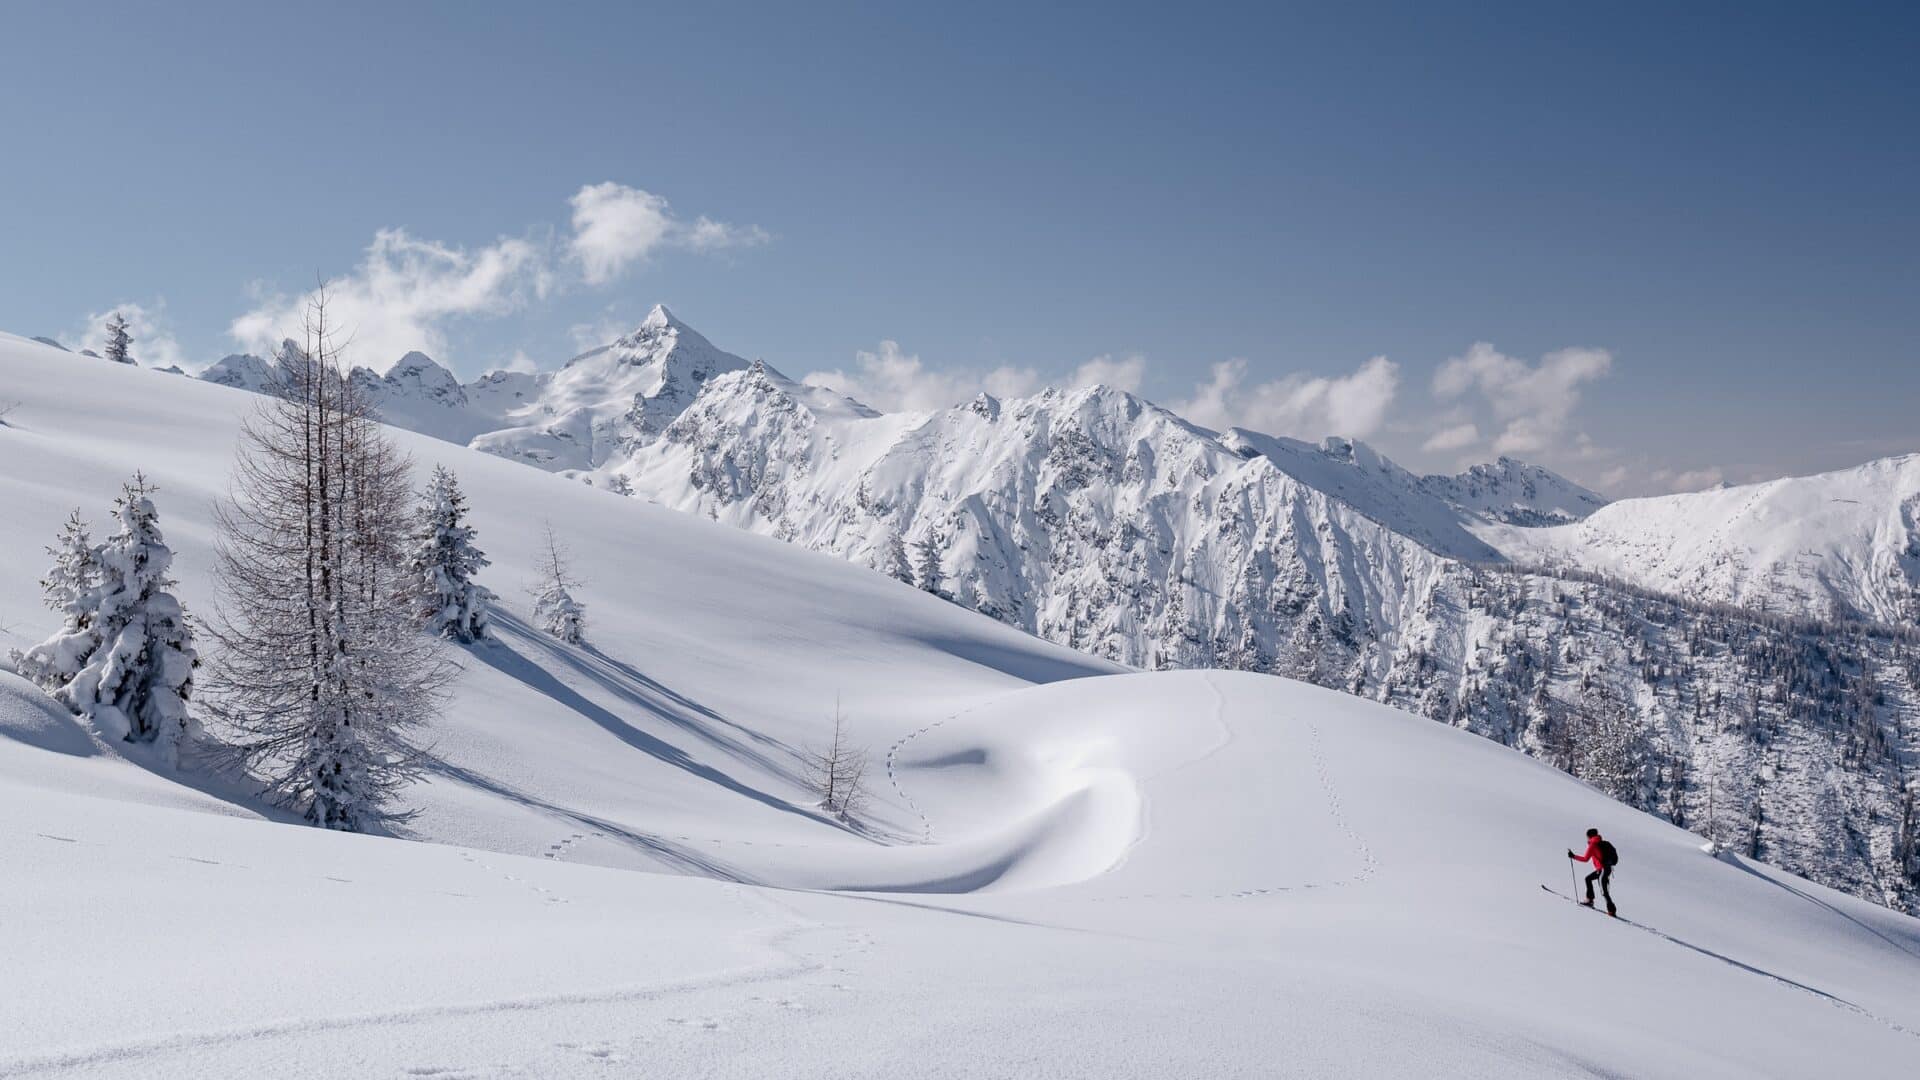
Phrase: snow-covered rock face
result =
(609, 401)
(1360, 476)
(419, 394)
(1089, 517)
(417, 374)
(1515, 493)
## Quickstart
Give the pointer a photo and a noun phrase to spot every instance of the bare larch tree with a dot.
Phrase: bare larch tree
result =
(837, 772)
(321, 671)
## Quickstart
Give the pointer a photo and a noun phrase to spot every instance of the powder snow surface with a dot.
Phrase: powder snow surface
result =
(1068, 870)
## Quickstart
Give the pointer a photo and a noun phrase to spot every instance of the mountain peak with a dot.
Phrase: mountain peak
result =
(420, 373)
(1516, 492)
(660, 317)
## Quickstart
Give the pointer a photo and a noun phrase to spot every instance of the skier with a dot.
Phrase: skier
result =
(1601, 854)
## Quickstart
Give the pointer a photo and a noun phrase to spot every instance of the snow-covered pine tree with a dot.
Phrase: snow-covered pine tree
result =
(620, 485)
(69, 589)
(891, 558)
(927, 568)
(322, 669)
(449, 602)
(140, 679)
(118, 339)
(554, 607)
(129, 668)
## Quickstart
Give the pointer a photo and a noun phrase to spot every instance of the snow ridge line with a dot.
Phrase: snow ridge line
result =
(775, 940)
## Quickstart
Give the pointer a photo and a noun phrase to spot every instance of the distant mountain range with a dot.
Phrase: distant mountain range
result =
(1842, 545)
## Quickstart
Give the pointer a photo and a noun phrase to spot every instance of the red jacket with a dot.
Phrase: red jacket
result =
(1593, 853)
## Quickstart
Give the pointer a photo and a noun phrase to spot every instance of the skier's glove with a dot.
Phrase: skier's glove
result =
(1571, 855)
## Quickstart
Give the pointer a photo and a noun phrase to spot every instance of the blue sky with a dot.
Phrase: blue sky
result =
(1687, 245)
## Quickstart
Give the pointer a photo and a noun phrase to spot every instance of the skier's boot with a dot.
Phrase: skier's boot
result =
(1586, 903)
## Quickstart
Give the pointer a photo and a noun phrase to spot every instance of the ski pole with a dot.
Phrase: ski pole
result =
(1573, 882)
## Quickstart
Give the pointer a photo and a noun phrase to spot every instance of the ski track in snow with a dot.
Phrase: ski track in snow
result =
(1835, 1000)
(790, 963)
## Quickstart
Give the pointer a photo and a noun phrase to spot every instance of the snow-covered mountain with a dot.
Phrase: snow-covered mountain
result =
(609, 401)
(243, 371)
(599, 405)
(1839, 545)
(1117, 874)
(1515, 493)
(1089, 517)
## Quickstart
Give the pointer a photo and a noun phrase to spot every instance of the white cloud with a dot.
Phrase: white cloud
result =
(403, 294)
(1533, 403)
(706, 234)
(615, 226)
(1613, 479)
(1125, 373)
(591, 335)
(1304, 406)
(1457, 437)
(521, 363)
(407, 290)
(153, 343)
(893, 380)
(1695, 479)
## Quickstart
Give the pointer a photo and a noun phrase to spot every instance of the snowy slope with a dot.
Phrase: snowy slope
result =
(1267, 910)
(1067, 872)
(1839, 545)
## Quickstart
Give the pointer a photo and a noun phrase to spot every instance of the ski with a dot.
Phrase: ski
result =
(1550, 890)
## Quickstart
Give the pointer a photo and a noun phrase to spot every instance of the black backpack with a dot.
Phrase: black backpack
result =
(1609, 858)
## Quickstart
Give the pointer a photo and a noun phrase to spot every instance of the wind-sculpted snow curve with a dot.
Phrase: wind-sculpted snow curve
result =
(1111, 780)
